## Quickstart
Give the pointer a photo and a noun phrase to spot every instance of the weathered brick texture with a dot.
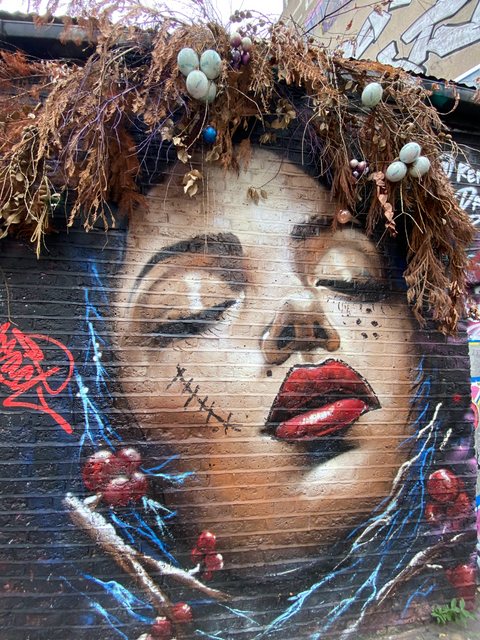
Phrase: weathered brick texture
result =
(280, 393)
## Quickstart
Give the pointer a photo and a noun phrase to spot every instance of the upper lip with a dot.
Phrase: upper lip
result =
(310, 387)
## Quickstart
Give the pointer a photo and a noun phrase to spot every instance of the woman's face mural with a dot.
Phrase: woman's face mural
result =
(270, 355)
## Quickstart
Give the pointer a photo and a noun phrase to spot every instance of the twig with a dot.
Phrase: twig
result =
(83, 514)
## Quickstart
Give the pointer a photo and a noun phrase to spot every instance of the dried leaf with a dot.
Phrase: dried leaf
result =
(263, 193)
(190, 180)
(212, 155)
(182, 155)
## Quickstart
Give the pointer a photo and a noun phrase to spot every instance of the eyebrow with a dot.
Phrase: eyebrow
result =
(226, 246)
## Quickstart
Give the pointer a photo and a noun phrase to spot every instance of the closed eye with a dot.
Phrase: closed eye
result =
(361, 290)
(188, 326)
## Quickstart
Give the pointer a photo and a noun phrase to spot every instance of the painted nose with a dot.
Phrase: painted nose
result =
(299, 325)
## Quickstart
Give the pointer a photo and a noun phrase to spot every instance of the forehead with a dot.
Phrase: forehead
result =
(221, 204)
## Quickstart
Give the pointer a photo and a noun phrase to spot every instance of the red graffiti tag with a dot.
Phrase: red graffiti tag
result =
(24, 368)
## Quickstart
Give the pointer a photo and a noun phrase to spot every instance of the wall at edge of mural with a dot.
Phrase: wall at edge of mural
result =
(227, 415)
(426, 39)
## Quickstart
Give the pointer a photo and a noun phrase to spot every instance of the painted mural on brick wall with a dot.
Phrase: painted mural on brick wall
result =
(224, 422)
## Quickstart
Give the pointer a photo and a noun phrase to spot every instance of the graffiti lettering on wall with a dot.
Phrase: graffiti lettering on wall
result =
(321, 11)
(24, 367)
(427, 34)
(468, 196)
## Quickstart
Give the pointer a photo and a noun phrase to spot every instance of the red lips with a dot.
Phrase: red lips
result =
(319, 401)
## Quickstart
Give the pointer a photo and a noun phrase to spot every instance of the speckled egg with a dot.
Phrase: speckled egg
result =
(211, 64)
(197, 84)
(372, 94)
(419, 167)
(396, 171)
(211, 93)
(187, 61)
(410, 152)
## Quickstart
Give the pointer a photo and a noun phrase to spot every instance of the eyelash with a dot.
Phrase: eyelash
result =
(361, 291)
(189, 326)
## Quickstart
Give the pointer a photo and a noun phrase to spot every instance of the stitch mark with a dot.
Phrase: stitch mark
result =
(193, 395)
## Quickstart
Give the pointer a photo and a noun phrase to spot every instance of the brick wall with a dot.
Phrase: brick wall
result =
(269, 375)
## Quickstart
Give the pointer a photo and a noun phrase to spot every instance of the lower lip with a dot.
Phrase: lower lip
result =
(323, 421)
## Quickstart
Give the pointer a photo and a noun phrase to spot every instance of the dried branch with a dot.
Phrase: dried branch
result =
(130, 560)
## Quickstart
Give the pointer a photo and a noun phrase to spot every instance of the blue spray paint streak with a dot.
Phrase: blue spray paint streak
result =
(93, 416)
(98, 607)
(178, 478)
(418, 592)
(242, 614)
(124, 597)
(103, 431)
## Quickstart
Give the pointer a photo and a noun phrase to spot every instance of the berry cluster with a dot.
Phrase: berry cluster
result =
(162, 628)
(241, 50)
(204, 555)
(359, 168)
(449, 499)
(115, 476)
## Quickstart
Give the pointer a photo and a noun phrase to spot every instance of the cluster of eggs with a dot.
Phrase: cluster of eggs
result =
(359, 168)
(200, 73)
(409, 155)
(241, 50)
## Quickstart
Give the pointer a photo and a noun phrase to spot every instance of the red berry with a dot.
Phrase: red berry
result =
(207, 575)
(138, 483)
(118, 492)
(442, 485)
(182, 612)
(214, 561)
(460, 508)
(197, 556)
(162, 629)
(129, 459)
(100, 469)
(207, 541)
(434, 513)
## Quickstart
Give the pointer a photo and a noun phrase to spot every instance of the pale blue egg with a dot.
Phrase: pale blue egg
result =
(197, 84)
(419, 167)
(410, 152)
(211, 64)
(372, 94)
(396, 171)
(212, 92)
(187, 61)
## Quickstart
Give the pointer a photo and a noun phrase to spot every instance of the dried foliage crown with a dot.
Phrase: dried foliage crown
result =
(67, 135)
